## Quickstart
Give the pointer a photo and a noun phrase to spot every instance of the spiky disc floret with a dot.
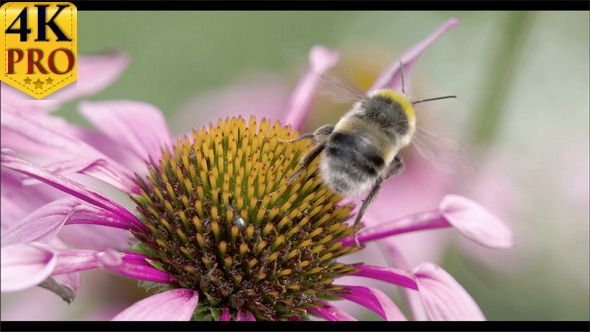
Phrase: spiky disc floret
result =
(224, 222)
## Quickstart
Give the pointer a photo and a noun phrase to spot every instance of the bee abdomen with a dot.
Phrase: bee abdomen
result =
(350, 162)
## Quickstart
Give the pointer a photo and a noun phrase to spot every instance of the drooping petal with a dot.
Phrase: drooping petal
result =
(95, 72)
(173, 305)
(475, 222)
(97, 168)
(389, 274)
(64, 285)
(391, 77)
(332, 313)
(96, 237)
(374, 300)
(132, 266)
(43, 134)
(416, 222)
(139, 126)
(74, 260)
(395, 258)
(17, 201)
(11, 161)
(321, 59)
(245, 316)
(443, 296)
(60, 285)
(25, 265)
(42, 224)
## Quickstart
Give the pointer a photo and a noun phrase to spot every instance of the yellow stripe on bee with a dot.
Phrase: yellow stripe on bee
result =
(400, 99)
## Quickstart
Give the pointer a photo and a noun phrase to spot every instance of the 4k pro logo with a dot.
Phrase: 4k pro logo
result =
(39, 46)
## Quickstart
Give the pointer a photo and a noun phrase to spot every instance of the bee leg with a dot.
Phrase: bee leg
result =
(396, 167)
(297, 139)
(306, 160)
(320, 137)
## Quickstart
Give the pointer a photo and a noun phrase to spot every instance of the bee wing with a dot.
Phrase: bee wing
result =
(337, 91)
(445, 153)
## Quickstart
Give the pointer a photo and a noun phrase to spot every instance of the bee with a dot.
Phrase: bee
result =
(363, 149)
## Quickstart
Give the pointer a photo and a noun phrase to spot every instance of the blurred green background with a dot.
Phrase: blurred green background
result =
(522, 79)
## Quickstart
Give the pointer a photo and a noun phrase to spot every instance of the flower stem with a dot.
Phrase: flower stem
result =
(503, 65)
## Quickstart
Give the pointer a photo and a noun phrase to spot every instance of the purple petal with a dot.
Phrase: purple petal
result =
(42, 224)
(475, 222)
(139, 126)
(245, 315)
(132, 266)
(224, 315)
(26, 265)
(389, 274)
(443, 296)
(390, 78)
(11, 161)
(95, 72)
(174, 305)
(374, 300)
(331, 313)
(416, 222)
(321, 59)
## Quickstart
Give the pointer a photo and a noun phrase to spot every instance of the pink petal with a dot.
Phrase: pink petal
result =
(224, 315)
(74, 260)
(174, 305)
(139, 126)
(321, 59)
(64, 285)
(25, 265)
(416, 222)
(395, 258)
(17, 201)
(95, 72)
(133, 266)
(61, 285)
(11, 161)
(443, 296)
(331, 313)
(42, 134)
(390, 78)
(262, 95)
(245, 315)
(96, 237)
(389, 274)
(99, 169)
(42, 224)
(374, 300)
(475, 222)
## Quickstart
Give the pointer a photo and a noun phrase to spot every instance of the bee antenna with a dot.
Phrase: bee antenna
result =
(431, 99)
(401, 66)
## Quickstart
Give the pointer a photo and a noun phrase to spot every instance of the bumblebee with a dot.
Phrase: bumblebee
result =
(362, 150)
